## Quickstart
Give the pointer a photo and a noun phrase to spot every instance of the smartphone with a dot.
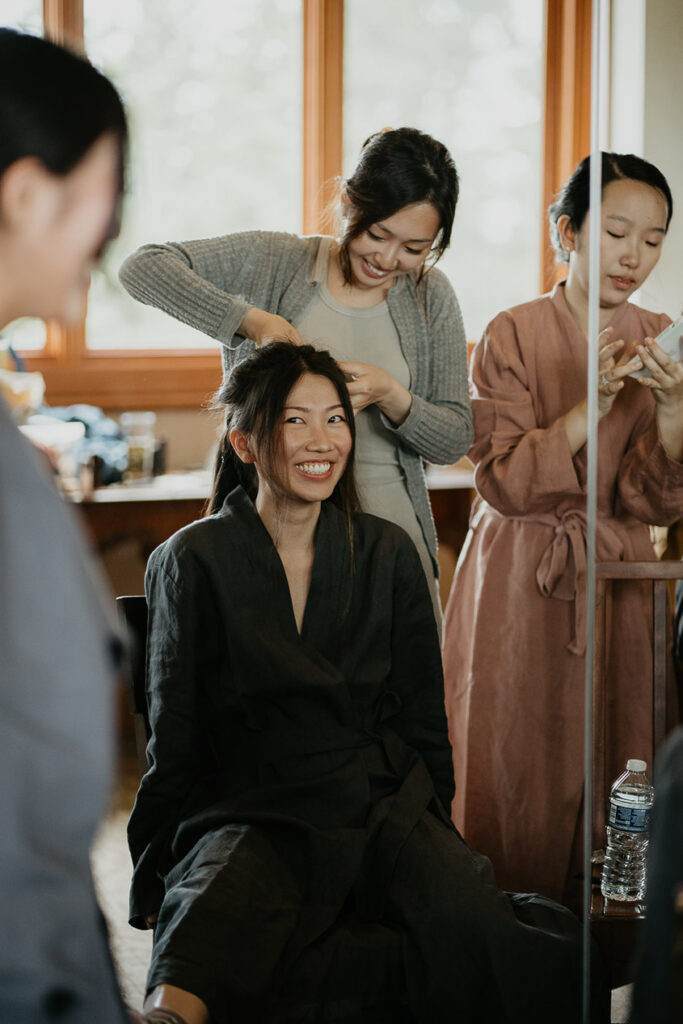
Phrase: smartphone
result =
(670, 341)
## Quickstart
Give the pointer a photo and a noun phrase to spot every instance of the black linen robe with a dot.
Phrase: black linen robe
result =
(296, 775)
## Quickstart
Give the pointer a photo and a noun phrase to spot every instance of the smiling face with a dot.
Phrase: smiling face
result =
(312, 450)
(393, 246)
(633, 226)
(315, 441)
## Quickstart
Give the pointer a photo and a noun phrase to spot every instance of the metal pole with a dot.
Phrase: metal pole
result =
(595, 194)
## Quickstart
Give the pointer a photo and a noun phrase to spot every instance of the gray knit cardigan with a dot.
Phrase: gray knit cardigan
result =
(211, 283)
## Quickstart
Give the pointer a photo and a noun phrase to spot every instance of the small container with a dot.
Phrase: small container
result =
(63, 441)
(139, 430)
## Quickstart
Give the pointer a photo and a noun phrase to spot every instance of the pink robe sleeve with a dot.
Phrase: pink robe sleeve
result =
(650, 483)
(522, 467)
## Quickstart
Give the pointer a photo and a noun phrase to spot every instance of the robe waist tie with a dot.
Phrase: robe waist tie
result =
(272, 745)
(561, 569)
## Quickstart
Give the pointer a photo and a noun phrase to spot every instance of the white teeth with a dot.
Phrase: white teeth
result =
(314, 468)
(374, 271)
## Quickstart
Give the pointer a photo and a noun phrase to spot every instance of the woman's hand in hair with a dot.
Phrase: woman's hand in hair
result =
(371, 385)
(262, 327)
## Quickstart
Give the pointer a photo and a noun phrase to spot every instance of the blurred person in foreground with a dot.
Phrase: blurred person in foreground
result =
(658, 988)
(62, 150)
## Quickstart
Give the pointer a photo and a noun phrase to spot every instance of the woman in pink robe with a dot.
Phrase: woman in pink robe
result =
(515, 622)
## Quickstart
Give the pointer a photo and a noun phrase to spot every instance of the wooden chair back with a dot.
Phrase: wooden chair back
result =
(132, 611)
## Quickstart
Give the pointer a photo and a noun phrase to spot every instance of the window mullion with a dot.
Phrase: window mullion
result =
(567, 107)
(323, 27)
(63, 23)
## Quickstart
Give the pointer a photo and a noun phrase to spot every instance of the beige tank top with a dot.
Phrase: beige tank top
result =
(368, 335)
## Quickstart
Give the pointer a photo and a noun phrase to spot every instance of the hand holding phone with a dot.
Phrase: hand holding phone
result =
(670, 341)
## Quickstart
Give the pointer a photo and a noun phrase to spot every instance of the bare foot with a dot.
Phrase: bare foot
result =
(188, 1008)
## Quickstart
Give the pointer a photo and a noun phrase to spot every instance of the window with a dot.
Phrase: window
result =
(176, 72)
(215, 111)
(471, 75)
(25, 15)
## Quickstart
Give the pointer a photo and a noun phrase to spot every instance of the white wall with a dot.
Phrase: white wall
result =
(191, 436)
(646, 117)
(663, 139)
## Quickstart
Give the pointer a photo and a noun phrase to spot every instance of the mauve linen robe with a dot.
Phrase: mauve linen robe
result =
(515, 620)
(297, 778)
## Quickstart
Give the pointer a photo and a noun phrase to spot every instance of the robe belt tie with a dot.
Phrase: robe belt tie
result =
(561, 570)
(272, 745)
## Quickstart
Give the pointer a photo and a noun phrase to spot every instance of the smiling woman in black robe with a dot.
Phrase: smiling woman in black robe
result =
(300, 764)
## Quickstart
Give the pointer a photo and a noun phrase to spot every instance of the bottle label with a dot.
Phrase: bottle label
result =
(629, 819)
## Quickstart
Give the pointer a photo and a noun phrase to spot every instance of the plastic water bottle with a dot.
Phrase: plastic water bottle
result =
(623, 873)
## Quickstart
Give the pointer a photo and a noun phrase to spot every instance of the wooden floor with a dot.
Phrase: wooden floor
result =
(111, 866)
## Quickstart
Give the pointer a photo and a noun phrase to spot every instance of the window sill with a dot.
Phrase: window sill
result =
(126, 380)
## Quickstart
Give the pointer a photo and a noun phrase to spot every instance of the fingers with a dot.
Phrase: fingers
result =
(284, 338)
(357, 385)
(612, 377)
(609, 350)
(270, 327)
(358, 393)
(359, 400)
(612, 370)
(352, 369)
(609, 385)
(661, 366)
(607, 340)
(288, 334)
(621, 370)
(628, 356)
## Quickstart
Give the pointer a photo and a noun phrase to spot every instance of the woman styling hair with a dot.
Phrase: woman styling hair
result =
(371, 296)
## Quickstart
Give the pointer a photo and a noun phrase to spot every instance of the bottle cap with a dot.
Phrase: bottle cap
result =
(634, 765)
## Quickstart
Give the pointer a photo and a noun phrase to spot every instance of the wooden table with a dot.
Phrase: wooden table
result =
(150, 512)
(145, 512)
(451, 492)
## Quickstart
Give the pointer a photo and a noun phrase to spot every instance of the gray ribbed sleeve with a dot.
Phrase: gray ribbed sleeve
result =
(210, 284)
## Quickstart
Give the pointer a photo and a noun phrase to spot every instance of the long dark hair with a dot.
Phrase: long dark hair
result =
(573, 199)
(254, 397)
(398, 168)
(54, 105)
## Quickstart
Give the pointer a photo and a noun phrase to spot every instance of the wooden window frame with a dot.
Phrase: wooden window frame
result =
(567, 109)
(185, 378)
